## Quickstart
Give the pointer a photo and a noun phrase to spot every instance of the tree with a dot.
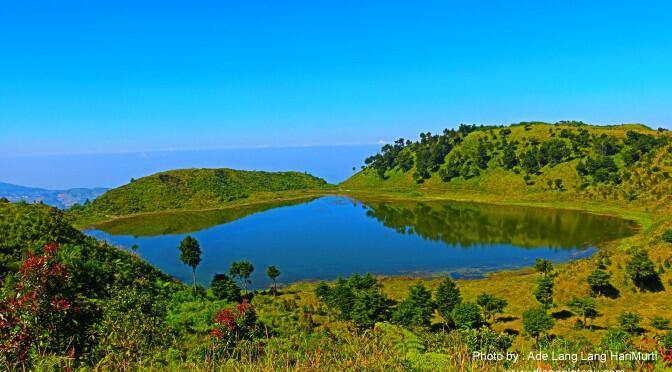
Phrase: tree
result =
(544, 291)
(190, 254)
(585, 307)
(537, 322)
(242, 270)
(629, 322)
(225, 288)
(466, 315)
(273, 273)
(416, 310)
(599, 281)
(370, 306)
(342, 298)
(447, 296)
(491, 305)
(543, 266)
(641, 269)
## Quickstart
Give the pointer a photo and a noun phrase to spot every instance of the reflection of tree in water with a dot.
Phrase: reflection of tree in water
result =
(467, 224)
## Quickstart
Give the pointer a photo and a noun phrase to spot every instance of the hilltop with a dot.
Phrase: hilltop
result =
(527, 161)
(192, 189)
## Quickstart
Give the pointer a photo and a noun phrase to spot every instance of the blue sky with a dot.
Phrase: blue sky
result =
(88, 76)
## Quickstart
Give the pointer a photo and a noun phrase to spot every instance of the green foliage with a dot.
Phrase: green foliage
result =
(585, 307)
(370, 307)
(225, 288)
(467, 315)
(630, 322)
(491, 305)
(616, 341)
(447, 296)
(544, 291)
(417, 309)
(660, 322)
(242, 270)
(537, 322)
(99, 289)
(358, 298)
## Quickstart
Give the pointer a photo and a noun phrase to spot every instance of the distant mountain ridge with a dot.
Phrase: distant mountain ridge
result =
(57, 198)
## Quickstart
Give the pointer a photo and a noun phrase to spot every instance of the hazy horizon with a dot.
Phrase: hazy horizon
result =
(55, 172)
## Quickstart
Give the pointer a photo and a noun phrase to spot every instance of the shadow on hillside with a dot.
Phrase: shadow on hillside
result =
(610, 291)
(506, 319)
(512, 332)
(650, 284)
(562, 314)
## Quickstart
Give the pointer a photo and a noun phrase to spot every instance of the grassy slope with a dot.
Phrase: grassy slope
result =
(652, 210)
(197, 189)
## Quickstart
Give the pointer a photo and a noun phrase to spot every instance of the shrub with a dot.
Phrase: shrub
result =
(225, 288)
(537, 322)
(629, 322)
(467, 315)
(659, 322)
(417, 309)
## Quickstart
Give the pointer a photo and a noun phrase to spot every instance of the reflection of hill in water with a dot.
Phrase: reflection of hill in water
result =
(467, 224)
(172, 223)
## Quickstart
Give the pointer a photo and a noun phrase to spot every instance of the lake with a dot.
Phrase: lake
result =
(332, 236)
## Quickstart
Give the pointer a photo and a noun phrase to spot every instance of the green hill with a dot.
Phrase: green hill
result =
(199, 189)
(560, 161)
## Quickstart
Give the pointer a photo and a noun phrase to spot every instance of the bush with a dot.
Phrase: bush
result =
(629, 322)
(225, 288)
(659, 322)
(537, 322)
(417, 309)
(370, 307)
(467, 315)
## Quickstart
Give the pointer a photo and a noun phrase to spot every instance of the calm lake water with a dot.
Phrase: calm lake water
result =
(332, 236)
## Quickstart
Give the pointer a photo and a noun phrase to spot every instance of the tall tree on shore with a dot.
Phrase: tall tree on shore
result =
(273, 273)
(190, 254)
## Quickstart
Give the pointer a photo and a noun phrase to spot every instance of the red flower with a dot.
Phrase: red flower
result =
(226, 318)
(60, 304)
(50, 248)
(31, 263)
(217, 333)
(243, 307)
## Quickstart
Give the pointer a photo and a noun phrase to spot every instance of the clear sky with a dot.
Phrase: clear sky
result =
(93, 76)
